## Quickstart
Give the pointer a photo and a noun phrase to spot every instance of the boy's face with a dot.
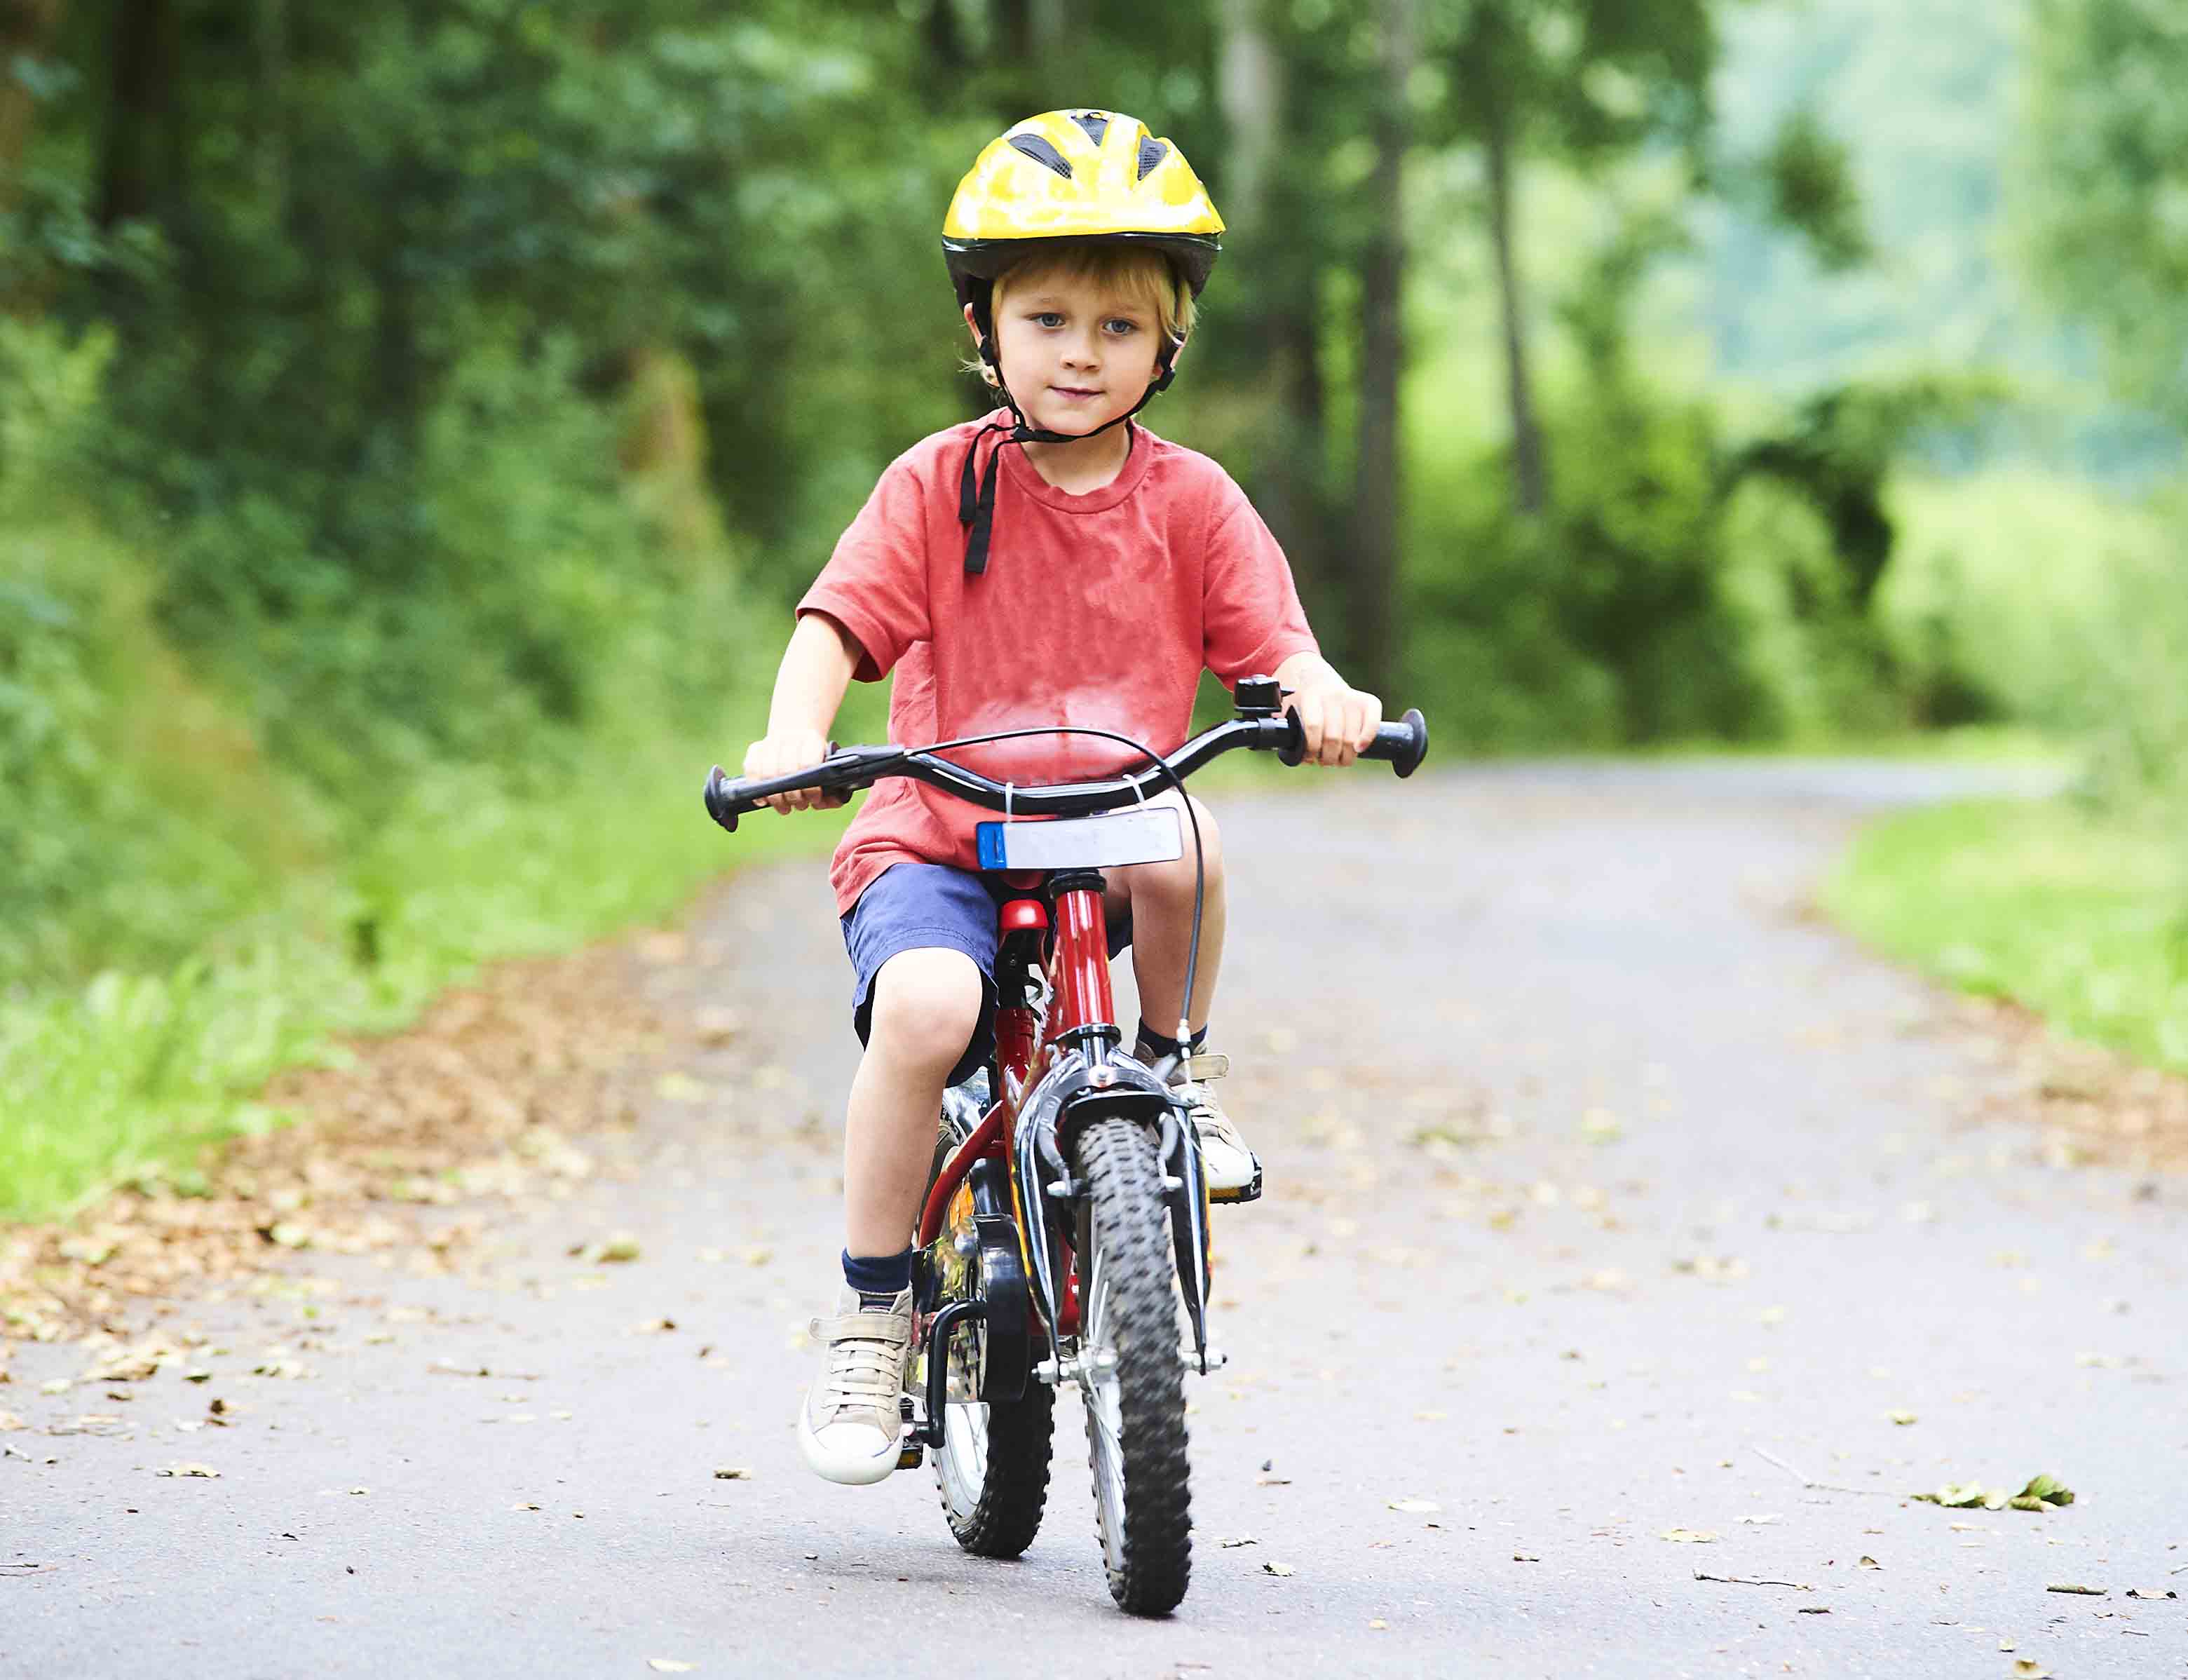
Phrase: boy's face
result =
(1075, 354)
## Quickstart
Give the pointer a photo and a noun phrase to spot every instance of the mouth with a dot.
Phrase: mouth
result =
(1074, 393)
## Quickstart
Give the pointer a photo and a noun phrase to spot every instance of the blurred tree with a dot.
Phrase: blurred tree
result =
(1584, 81)
(2105, 174)
(1806, 177)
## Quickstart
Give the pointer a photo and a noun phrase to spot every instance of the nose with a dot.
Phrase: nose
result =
(1083, 349)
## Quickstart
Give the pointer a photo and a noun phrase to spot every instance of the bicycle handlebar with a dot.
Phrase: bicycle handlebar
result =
(1402, 744)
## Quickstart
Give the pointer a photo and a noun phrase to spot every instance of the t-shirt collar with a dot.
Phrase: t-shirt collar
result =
(1025, 478)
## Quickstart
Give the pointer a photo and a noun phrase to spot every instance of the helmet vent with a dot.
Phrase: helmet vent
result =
(1152, 152)
(1094, 122)
(1032, 146)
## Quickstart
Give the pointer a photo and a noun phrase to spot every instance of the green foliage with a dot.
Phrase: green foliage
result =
(2067, 909)
(2004, 598)
(1808, 181)
(2106, 183)
(140, 1068)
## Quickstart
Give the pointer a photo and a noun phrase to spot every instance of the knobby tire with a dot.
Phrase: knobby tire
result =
(1127, 1220)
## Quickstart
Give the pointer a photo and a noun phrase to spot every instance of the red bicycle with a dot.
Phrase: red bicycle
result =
(1067, 1219)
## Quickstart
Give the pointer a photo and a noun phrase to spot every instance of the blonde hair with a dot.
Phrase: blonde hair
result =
(1142, 275)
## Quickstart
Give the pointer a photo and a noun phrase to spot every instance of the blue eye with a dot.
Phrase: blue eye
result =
(1119, 327)
(1048, 318)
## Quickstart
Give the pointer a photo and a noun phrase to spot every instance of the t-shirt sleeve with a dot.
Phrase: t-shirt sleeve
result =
(874, 583)
(1250, 612)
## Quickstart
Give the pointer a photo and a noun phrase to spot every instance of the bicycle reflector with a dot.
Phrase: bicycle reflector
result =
(1149, 834)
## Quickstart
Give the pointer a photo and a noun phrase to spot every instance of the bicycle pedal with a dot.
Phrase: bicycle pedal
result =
(912, 1456)
(1251, 1192)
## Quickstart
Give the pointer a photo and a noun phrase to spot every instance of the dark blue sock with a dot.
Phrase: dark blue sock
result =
(1153, 1044)
(878, 1279)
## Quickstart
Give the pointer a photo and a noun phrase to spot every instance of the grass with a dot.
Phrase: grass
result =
(137, 1072)
(2077, 914)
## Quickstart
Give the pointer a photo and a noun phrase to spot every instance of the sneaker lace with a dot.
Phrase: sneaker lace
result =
(863, 1353)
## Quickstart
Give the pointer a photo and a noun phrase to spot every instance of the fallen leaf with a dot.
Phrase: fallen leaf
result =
(2041, 1492)
(1690, 1536)
(2151, 1593)
(1277, 1568)
(1378, 1622)
(669, 1666)
(1229, 1541)
(2076, 1587)
(1415, 1506)
(1866, 1562)
(733, 1473)
(1525, 1558)
(616, 1250)
(1902, 1418)
(204, 1470)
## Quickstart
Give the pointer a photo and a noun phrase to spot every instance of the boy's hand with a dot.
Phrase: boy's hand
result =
(1336, 721)
(785, 754)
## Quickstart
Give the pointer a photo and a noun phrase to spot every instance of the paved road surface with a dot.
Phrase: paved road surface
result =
(1599, 1170)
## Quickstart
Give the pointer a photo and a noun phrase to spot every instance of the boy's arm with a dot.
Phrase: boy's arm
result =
(808, 688)
(1337, 720)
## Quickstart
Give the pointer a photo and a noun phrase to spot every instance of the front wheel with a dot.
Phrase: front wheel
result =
(991, 1464)
(1131, 1376)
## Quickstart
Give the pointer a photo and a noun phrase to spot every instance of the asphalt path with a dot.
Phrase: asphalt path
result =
(1620, 1208)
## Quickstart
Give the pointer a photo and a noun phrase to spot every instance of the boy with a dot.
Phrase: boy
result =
(1092, 594)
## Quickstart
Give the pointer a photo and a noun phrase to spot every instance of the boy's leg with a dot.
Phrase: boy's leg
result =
(925, 1007)
(1159, 898)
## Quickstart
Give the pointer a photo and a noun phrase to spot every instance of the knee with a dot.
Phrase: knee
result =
(925, 1006)
(1175, 878)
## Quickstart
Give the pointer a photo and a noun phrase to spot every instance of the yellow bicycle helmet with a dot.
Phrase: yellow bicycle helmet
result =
(1080, 175)
(1089, 177)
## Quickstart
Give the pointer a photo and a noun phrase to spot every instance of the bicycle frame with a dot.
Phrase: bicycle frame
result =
(1058, 1064)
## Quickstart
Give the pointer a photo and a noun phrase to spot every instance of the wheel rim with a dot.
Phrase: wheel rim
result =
(961, 1462)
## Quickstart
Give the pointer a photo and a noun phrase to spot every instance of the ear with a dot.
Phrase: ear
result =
(1176, 356)
(972, 326)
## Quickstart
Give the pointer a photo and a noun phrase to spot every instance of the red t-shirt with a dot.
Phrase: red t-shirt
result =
(1097, 609)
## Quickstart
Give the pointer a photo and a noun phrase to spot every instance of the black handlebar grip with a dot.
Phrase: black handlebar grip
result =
(1402, 744)
(721, 805)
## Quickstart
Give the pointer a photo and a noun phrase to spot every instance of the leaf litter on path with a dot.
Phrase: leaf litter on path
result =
(2040, 1493)
(479, 1099)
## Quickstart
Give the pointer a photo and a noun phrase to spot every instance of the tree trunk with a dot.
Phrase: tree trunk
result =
(25, 26)
(946, 45)
(1373, 569)
(1530, 469)
(141, 170)
(1289, 443)
(268, 115)
(1249, 81)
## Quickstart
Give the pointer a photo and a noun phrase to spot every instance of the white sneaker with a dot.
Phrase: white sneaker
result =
(1234, 1171)
(850, 1425)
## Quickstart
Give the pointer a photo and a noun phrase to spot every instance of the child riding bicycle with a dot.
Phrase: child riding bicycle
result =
(1117, 566)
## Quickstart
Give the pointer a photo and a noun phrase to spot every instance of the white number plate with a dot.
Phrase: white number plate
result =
(1149, 835)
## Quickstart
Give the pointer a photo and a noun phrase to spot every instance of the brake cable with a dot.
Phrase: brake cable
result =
(1184, 1038)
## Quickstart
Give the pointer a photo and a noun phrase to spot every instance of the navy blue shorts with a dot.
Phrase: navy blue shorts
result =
(921, 906)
